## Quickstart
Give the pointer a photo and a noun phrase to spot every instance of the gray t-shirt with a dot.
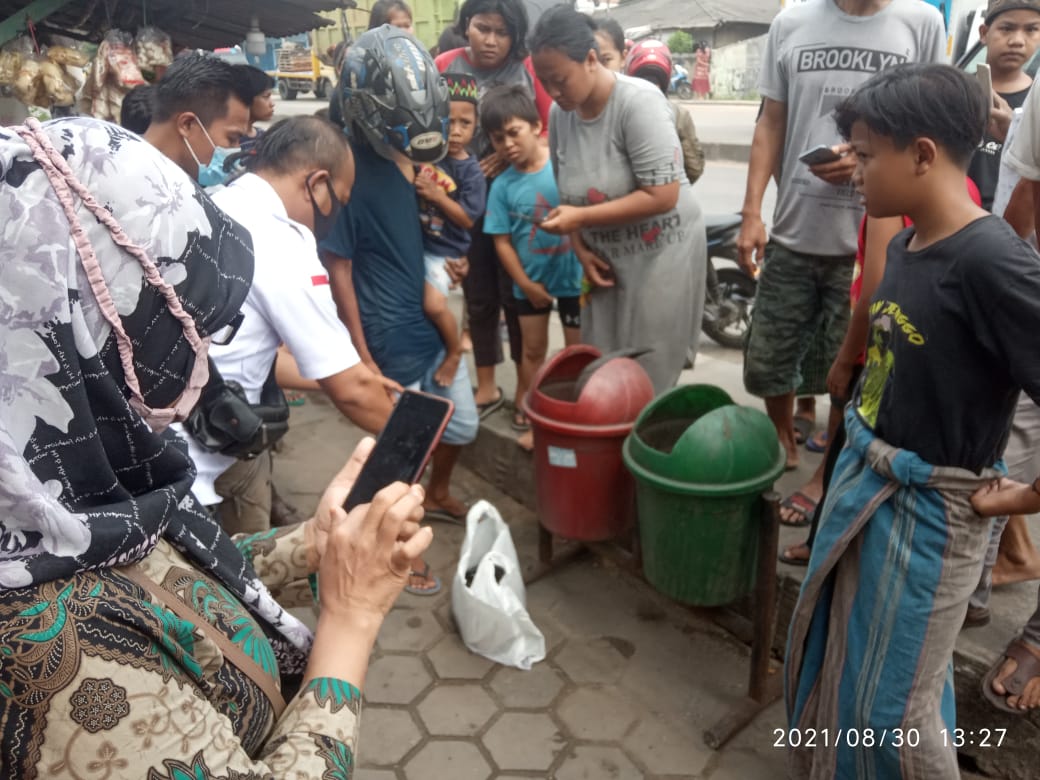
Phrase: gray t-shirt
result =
(658, 263)
(816, 55)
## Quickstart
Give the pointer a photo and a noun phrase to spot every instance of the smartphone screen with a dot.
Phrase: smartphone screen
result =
(819, 155)
(404, 446)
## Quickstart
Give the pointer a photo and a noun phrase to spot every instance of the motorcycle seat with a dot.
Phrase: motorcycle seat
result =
(720, 223)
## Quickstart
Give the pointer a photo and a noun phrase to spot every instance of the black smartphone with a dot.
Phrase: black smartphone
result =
(819, 155)
(404, 446)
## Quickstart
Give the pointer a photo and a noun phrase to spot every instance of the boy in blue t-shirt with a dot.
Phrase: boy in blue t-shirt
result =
(542, 266)
(452, 195)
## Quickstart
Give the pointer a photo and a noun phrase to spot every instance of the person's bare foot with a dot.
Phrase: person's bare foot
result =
(445, 505)
(489, 396)
(445, 374)
(1007, 573)
(790, 515)
(526, 441)
(421, 582)
(796, 553)
(1017, 558)
(1030, 698)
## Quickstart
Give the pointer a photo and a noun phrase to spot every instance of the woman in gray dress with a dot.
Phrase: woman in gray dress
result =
(626, 203)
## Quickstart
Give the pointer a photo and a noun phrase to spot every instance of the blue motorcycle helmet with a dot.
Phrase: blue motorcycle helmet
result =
(391, 95)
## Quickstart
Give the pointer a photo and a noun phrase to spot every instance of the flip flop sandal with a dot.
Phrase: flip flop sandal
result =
(520, 423)
(803, 505)
(484, 409)
(803, 426)
(817, 443)
(425, 574)
(295, 399)
(790, 560)
(444, 516)
(1028, 667)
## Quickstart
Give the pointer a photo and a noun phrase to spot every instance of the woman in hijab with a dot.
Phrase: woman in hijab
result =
(136, 638)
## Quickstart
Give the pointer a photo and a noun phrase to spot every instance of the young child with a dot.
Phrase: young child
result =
(542, 266)
(651, 61)
(453, 195)
(900, 547)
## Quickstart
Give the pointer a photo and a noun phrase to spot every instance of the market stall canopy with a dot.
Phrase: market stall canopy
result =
(197, 24)
(669, 14)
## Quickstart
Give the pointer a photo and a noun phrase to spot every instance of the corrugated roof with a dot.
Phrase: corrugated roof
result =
(203, 24)
(692, 13)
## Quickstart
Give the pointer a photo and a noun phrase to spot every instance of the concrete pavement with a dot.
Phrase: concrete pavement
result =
(630, 683)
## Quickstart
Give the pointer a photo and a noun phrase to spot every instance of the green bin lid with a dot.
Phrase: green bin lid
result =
(695, 440)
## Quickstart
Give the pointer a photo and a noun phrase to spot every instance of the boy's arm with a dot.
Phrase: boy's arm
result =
(535, 292)
(451, 210)
(880, 233)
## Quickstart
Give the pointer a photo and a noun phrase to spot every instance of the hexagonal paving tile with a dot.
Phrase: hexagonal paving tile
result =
(456, 710)
(451, 659)
(593, 660)
(396, 679)
(536, 688)
(367, 773)
(593, 762)
(595, 714)
(386, 735)
(664, 751)
(409, 630)
(525, 741)
(441, 760)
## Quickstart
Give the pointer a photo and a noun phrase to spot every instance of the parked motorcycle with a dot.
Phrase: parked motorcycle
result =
(680, 83)
(729, 293)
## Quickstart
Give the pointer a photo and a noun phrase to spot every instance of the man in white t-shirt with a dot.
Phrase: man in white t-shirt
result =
(297, 182)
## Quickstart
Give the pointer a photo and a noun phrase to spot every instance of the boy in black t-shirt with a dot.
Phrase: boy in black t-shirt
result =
(1011, 34)
(900, 548)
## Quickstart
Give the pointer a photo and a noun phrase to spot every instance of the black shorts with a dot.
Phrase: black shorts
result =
(569, 308)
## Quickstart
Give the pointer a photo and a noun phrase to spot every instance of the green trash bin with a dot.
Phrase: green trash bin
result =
(700, 464)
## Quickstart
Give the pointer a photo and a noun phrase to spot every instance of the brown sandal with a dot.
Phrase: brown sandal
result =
(1027, 659)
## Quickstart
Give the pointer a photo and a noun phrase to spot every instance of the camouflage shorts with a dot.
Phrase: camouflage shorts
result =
(799, 321)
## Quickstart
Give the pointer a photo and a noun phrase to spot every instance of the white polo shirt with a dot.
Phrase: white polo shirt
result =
(289, 302)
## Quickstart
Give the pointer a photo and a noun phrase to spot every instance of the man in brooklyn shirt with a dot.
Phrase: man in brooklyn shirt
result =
(817, 54)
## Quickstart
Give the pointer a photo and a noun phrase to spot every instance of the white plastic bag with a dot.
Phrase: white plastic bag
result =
(491, 610)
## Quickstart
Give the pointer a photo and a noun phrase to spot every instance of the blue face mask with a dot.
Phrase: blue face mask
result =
(213, 173)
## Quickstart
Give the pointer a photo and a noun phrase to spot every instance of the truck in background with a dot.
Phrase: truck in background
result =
(298, 69)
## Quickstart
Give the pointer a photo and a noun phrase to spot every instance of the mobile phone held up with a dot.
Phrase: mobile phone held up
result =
(404, 446)
(985, 79)
(819, 155)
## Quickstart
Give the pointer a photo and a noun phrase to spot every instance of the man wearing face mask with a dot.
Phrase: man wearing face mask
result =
(301, 174)
(201, 113)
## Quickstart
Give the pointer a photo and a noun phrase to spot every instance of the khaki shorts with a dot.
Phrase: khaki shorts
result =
(799, 321)
(246, 490)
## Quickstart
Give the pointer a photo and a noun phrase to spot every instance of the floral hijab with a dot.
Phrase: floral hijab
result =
(92, 348)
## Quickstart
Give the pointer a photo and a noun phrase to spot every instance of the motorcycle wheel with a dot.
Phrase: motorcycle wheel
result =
(735, 296)
(684, 91)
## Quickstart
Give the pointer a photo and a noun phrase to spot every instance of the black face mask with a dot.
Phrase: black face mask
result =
(323, 223)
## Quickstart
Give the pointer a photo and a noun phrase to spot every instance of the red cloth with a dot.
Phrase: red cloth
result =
(542, 101)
